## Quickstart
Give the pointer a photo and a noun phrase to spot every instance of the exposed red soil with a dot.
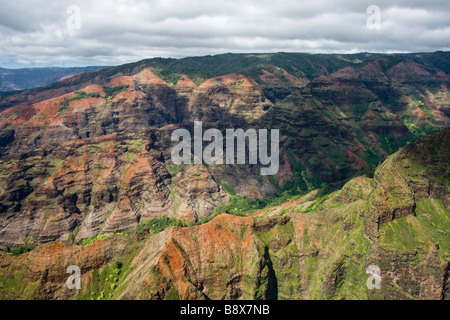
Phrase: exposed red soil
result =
(185, 81)
(146, 76)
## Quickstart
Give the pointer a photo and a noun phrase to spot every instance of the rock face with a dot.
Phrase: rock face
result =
(318, 246)
(110, 185)
(98, 166)
(91, 156)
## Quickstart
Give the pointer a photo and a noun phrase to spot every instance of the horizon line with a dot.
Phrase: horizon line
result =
(221, 54)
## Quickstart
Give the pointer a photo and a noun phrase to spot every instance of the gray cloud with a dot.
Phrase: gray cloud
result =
(35, 33)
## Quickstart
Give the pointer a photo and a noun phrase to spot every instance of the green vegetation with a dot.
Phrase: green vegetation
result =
(156, 225)
(10, 92)
(332, 229)
(73, 235)
(88, 241)
(23, 249)
(401, 233)
(228, 189)
(173, 169)
(241, 205)
(153, 226)
(237, 84)
(111, 92)
(201, 68)
(39, 116)
(430, 225)
(80, 95)
(172, 294)
(107, 283)
(225, 186)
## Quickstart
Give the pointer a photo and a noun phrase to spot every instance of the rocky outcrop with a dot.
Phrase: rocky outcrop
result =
(416, 172)
(316, 247)
(91, 154)
(102, 185)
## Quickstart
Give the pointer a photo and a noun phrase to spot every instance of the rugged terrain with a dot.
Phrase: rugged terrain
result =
(89, 156)
(317, 246)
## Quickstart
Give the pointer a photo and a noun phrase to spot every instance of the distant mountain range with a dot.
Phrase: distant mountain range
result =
(26, 78)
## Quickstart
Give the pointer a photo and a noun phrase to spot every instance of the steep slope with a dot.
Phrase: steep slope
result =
(91, 154)
(317, 246)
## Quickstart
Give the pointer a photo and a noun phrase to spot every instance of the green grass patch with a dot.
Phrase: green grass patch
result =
(157, 225)
(111, 92)
(173, 169)
(172, 294)
(22, 249)
(80, 95)
(226, 187)
(431, 225)
(401, 233)
(104, 282)
(435, 223)
(39, 116)
(88, 241)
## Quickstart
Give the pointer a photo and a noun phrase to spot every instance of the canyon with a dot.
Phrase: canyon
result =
(86, 179)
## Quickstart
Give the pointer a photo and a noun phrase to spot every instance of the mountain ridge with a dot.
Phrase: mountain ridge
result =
(26, 78)
(314, 247)
(86, 179)
(61, 144)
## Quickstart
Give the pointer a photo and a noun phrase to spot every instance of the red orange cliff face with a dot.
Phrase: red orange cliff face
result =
(314, 247)
(100, 161)
(90, 156)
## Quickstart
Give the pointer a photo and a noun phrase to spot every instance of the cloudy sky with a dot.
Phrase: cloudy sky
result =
(110, 32)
